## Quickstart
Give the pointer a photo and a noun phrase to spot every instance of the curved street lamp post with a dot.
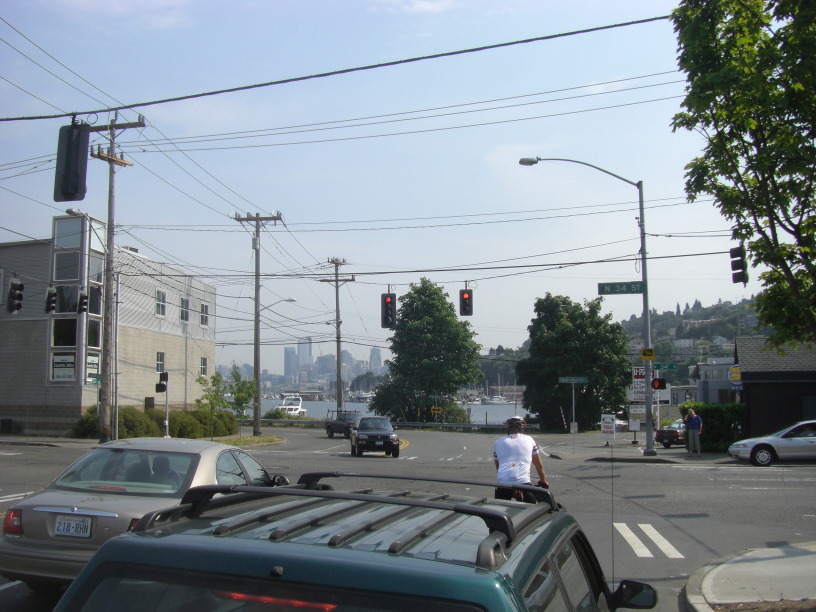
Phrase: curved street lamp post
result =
(647, 324)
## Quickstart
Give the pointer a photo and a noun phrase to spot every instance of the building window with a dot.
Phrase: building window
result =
(94, 338)
(161, 303)
(184, 313)
(203, 369)
(205, 315)
(64, 332)
(66, 266)
(63, 366)
(160, 362)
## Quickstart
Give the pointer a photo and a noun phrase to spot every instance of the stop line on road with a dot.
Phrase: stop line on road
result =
(639, 548)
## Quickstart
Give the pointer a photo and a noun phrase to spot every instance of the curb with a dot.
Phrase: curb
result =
(693, 592)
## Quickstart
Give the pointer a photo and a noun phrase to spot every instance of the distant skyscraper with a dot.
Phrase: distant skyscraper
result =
(375, 361)
(290, 363)
(304, 350)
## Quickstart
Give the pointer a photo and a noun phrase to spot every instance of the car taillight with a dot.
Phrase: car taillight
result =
(13, 523)
(132, 524)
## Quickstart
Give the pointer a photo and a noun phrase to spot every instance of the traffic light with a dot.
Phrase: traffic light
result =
(388, 310)
(161, 386)
(465, 302)
(51, 300)
(72, 162)
(658, 383)
(83, 302)
(739, 267)
(15, 296)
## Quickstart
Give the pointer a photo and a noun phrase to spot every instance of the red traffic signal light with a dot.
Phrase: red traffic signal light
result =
(388, 310)
(658, 383)
(465, 302)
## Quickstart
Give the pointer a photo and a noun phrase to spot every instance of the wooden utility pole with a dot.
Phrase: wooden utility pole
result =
(105, 384)
(256, 246)
(337, 281)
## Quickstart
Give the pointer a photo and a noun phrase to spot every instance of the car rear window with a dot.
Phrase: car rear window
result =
(135, 588)
(130, 471)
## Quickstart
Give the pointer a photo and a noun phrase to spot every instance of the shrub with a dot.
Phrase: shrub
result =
(185, 425)
(87, 426)
(720, 424)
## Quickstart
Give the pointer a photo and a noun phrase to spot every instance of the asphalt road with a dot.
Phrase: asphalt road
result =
(652, 521)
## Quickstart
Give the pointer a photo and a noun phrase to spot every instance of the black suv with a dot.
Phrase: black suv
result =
(417, 543)
(374, 433)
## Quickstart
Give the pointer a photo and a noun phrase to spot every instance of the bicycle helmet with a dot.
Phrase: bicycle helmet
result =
(516, 421)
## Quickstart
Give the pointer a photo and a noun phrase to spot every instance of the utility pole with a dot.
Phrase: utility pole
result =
(256, 246)
(108, 286)
(337, 281)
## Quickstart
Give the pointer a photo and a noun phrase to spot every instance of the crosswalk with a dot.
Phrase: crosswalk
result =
(640, 548)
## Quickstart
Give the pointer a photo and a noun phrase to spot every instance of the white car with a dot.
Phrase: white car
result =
(796, 441)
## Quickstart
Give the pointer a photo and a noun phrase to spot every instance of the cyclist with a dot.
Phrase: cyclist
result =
(513, 455)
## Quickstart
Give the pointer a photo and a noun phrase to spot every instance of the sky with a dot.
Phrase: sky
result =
(403, 171)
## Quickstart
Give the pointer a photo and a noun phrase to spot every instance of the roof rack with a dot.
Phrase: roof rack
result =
(309, 491)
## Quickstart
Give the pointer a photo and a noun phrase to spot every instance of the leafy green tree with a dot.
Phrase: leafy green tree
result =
(751, 72)
(434, 354)
(242, 392)
(567, 339)
(212, 394)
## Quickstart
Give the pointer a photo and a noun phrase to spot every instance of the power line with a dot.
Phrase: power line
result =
(343, 71)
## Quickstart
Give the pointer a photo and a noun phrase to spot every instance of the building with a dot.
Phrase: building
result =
(777, 388)
(51, 355)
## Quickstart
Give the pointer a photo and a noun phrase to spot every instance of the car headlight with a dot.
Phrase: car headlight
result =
(739, 446)
(362, 436)
(394, 437)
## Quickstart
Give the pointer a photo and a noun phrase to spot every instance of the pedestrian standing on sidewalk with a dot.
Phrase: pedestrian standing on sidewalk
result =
(694, 427)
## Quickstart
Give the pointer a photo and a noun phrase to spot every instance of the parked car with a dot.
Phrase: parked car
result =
(373, 433)
(675, 433)
(50, 535)
(796, 441)
(377, 544)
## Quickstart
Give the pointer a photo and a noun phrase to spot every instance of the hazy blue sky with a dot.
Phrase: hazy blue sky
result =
(403, 171)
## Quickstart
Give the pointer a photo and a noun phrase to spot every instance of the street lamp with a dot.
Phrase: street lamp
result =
(256, 407)
(647, 324)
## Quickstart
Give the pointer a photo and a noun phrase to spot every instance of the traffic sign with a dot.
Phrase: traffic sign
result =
(436, 409)
(573, 379)
(647, 354)
(619, 288)
(664, 366)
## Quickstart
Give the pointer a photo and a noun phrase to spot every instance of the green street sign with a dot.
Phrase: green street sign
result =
(573, 379)
(664, 366)
(620, 288)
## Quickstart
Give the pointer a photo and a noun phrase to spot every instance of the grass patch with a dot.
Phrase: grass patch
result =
(244, 441)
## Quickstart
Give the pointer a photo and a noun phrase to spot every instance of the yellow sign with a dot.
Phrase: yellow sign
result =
(436, 409)
(647, 354)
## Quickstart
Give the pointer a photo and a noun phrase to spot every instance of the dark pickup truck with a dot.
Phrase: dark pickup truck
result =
(340, 422)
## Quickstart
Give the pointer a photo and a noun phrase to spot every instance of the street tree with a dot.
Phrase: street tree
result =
(434, 354)
(242, 392)
(571, 340)
(751, 72)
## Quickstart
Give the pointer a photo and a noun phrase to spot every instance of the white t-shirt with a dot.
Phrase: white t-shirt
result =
(514, 453)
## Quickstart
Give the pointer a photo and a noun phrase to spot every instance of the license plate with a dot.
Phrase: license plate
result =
(74, 526)
(379, 443)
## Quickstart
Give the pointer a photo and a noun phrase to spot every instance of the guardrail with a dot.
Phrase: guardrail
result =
(320, 424)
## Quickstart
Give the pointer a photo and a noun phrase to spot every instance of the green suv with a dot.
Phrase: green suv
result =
(412, 544)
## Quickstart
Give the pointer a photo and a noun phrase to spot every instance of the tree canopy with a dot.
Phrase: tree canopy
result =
(434, 354)
(751, 72)
(567, 339)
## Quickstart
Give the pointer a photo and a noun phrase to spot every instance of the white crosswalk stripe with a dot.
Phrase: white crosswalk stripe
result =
(641, 549)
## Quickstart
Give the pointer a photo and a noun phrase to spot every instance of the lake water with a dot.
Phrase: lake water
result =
(479, 413)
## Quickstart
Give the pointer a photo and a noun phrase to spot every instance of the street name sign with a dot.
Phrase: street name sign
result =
(573, 379)
(664, 366)
(621, 288)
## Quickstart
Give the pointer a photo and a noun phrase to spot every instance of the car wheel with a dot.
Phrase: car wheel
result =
(762, 456)
(330, 433)
(666, 444)
(395, 452)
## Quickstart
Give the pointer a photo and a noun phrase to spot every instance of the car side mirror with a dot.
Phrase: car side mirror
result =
(277, 480)
(633, 594)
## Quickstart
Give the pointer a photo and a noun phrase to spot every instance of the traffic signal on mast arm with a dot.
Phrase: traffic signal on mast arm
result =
(658, 383)
(388, 310)
(51, 300)
(15, 296)
(466, 302)
(739, 267)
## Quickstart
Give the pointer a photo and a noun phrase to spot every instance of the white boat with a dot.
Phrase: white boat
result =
(494, 400)
(293, 405)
